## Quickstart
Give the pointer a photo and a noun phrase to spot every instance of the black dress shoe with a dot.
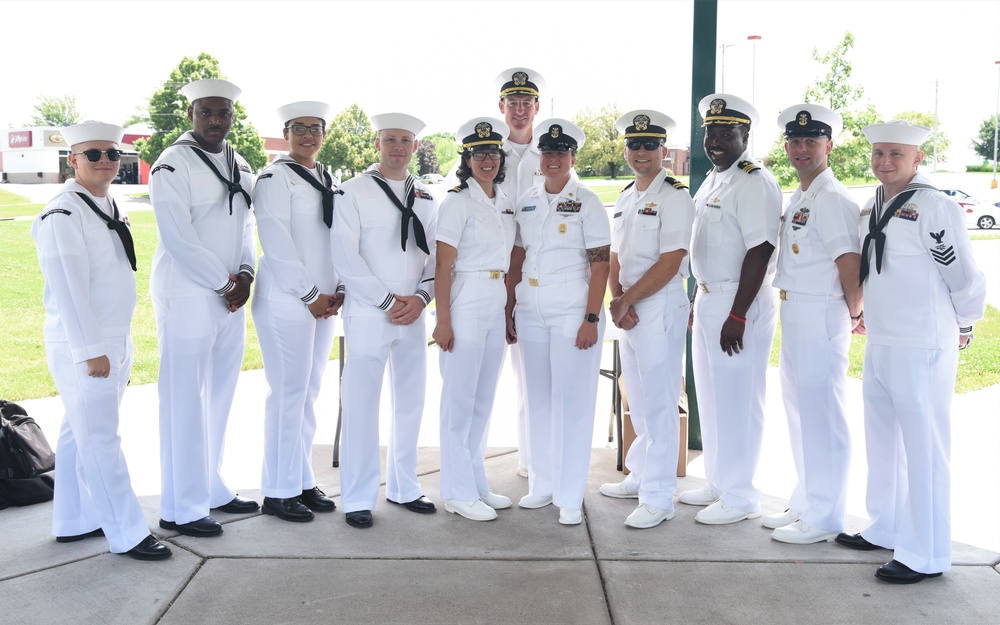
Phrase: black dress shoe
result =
(290, 509)
(239, 505)
(421, 504)
(205, 526)
(149, 549)
(317, 501)
(360, 518)
(895, 572)
(856, 541)
(72, 539)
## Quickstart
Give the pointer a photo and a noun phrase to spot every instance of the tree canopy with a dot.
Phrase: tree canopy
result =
(603, 153)
(350, 143)
(427, 161)
(446, 149)
(921, 118)
(983, 142)
(55, 111)
(166, 115)
(851, 156)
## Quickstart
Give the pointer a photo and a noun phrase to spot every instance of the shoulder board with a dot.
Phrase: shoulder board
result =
(163, 166)
(677, 184)
(627, 187)
(748, 166)
(455, 189)
(56, 210)
(267, 175)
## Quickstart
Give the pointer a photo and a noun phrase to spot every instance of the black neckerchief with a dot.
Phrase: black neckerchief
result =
(327, 190)
(407, 210)
(877, 221)
(233, 186)
(115, 224)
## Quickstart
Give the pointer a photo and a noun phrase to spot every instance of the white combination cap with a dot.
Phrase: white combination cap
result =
(401, 121)
(645, 123)
(727, 110)
(559, 134)
(897, 131)
(810, 120)
(92, 131)
(211, 88)
(481, 133)
(519, 81)
(307, 108)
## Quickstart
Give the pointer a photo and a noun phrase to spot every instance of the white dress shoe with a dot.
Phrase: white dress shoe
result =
(647, 516)
(473, 510)
(522, 470)
(721, 513)
(570, 516)
(619, 490)
(535, 501)
(801, 533)
(495, 501)
(698, 496)
(781, 519)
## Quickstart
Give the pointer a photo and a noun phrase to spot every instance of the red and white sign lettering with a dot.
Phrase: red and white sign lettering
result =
(19, 139)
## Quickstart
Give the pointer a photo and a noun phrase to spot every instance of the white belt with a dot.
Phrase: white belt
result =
(788, 296)
(557, 278)
(718, 287)
(485, 275)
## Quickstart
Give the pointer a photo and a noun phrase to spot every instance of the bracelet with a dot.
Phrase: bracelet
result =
(735, 318)
(860, 315)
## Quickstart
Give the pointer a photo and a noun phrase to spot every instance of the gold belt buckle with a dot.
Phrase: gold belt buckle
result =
(782, 294)
(494, 275)
(703, 286)
(533, 281)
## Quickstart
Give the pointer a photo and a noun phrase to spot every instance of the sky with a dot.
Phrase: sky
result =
(438, 59)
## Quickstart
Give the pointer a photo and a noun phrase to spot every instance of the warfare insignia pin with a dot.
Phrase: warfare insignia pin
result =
(795, 248)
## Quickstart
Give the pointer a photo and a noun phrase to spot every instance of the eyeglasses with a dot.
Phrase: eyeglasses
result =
(95, 155)
(300, 129)
(649, 145)
(493, 155)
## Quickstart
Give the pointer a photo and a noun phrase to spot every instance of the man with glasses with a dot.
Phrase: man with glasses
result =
(202, 270)
(737, 211)
(383, 242)
(650, 237)
(87, 258)
(818, 266)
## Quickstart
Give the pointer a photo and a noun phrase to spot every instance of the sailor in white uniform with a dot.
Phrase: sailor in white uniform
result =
(652, 221)
(87, 259)
(384, 234)
(560, 267)
(737, 211)
(202, 270)
(923, 293)
(819, 260)
(295, 295)
(475, 234)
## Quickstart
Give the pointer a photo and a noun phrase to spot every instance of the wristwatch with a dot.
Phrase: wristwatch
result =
(592, 318)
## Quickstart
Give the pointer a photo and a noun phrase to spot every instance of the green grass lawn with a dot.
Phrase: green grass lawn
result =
(13, 205)
(609, 190)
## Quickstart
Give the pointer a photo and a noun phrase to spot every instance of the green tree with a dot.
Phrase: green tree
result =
(350, 143)
(983, 142)
(851, 156)
(603, 152)
(427, 160)
(55, 111)
(166, 115)
(921, 118)
(446, 150)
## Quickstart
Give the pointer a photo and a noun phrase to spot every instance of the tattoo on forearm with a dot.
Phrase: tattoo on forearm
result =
(599, 254)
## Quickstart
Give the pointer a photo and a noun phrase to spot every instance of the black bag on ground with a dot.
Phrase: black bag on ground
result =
(26, 459)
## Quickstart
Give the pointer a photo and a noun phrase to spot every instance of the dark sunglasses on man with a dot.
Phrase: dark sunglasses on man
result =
(95, 155)
(649, 145)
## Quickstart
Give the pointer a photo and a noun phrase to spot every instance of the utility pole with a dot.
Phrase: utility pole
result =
(723, 47)
(934, 166)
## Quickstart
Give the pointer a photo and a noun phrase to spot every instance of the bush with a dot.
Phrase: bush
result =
(986, 168)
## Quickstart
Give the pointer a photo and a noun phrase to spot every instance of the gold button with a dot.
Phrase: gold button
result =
(494, 275)
(533, 281)
(783, 294)
(703, 287)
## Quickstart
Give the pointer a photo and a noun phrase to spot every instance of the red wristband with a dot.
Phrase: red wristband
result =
(735, 318)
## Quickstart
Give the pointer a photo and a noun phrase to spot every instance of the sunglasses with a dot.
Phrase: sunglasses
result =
(493, 155)
(649, 145)
(95, 155)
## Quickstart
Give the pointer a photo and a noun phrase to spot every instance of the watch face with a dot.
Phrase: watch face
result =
(592, 318)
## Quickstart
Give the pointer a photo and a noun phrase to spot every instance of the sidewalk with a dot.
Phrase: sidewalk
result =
(523, 567)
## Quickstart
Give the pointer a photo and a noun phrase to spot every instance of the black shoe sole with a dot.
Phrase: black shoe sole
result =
(430, 510)
(889, 579)
(285, 517)
(98, 533)
(171, 526)
(148, 557)
(360, 525)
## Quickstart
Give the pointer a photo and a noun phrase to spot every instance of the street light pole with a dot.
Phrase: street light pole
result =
(723, 47)
(753, 83)
(996, 124)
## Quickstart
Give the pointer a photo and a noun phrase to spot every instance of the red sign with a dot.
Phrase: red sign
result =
(19, 139)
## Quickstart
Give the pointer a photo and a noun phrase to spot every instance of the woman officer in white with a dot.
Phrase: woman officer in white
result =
(475, 235)
(560, 265)
(296, 293)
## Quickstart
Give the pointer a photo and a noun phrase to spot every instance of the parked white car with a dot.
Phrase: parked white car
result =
(977, 213)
